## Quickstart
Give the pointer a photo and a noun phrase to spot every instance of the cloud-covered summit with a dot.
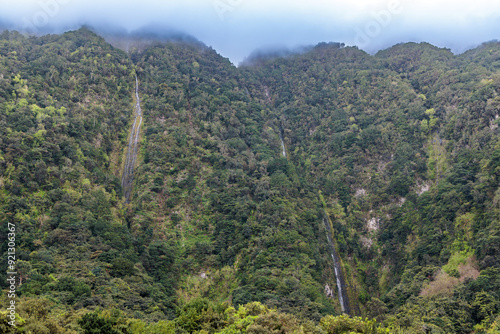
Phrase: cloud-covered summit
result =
(237, 27)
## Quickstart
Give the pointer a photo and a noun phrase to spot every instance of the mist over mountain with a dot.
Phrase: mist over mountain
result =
(146, 36)
(236, 28)
(262, 55)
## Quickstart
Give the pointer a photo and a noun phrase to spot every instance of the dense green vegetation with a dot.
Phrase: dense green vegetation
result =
(223, 233)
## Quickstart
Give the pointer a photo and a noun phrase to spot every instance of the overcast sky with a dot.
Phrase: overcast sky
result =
(237, 27)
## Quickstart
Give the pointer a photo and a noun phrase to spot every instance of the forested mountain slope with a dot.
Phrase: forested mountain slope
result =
(403, 146)
(398, 152)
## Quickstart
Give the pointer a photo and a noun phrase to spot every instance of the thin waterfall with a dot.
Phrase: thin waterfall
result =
(132, 147)
(341, 286)
(282, 144)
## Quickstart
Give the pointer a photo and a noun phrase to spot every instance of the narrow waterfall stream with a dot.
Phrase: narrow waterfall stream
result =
(282, 143)
(132, 147)
(341, 286)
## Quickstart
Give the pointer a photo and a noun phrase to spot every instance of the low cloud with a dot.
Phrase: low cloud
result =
(237, 27)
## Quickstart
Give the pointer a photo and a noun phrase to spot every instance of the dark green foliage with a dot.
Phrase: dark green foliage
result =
(93, 323)
(122, 267)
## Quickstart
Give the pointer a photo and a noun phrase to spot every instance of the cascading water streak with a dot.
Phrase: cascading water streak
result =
(132, 148)
(339, 286)
(282, 145)
(343, 298)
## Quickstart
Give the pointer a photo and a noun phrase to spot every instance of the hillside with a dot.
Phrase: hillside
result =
(247, 180)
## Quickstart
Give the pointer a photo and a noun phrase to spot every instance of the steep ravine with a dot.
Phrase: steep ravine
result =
(339, 275)
(132, 147)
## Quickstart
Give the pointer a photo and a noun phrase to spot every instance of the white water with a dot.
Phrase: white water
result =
(133, 144)
(282, 145)
(336, 267)
(339, 285)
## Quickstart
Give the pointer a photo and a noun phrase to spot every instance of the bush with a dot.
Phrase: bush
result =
(93, 323)
(122, 267)
(346, 324)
